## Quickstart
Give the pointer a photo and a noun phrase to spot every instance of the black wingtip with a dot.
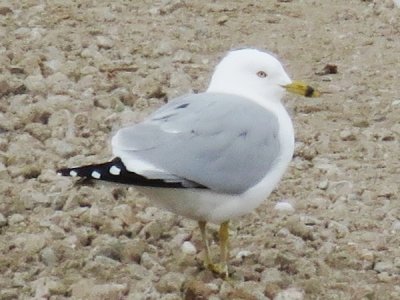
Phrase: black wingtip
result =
(115, 171)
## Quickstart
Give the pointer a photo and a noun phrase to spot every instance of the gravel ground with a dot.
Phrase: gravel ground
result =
(73, 73)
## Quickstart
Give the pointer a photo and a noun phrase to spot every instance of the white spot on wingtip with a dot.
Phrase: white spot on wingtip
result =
(96, 175)
(73, 173)
(115, 170)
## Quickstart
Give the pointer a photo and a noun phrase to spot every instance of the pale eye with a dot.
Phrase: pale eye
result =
(261, 74)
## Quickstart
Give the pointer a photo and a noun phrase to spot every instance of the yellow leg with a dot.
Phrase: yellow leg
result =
(224, 246)
(222, 268)
(203, 230)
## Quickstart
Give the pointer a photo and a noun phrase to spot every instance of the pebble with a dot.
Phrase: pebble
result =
(53, 65)
(385, 277)
(396, 128)
(171, 282)
(395, 226)
(48, 257)
(290, 294)
(35, 83)
(132, 250)
(3, 171)
(249, 290)
(195, 289)
(340, 230)
(5, 88)
(87, 289)
(46, 286)
(243, 253)
(148, 262)
(284, 207)
(271, 275)
(58, 83)
(323, 185)
(33, 243)
(124, 213)
(15, 219)
(182, 56)
(152, 230)
(222, 20)
(104, 42)
(384, 266)
(3, 220)
(4, 10)
(188, 248)
(347, 135)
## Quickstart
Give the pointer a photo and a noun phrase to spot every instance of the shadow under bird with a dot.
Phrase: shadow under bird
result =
(211, 156)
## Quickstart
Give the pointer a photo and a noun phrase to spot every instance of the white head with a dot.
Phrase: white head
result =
(250, 73)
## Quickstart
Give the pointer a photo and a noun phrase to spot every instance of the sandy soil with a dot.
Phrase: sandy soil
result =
(73, 73)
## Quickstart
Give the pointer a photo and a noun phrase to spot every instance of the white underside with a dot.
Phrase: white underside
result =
(209, 206)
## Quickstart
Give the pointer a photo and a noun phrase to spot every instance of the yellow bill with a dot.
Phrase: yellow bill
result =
(300, 88)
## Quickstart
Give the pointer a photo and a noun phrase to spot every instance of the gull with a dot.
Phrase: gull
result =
(211, 156)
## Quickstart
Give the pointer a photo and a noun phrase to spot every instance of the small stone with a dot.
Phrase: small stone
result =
(385, 277)
(5, 88)
(152, 230)
(367, 255)
(45, 286)
(10, 294)
(323, 185)
(242, 254)
(284, 207)
(87, 70)
(384, 266)
(59, 83)
(290, 294)
(124, 213)
(53, 65)
(195, 289)
(3, 220)
(395, 226)
(34, 243)
(283, 232)
(222, 20)
(104, 42)
(48, 256)
(253, 289)
(271, 275)
(148, 262)
(132, 250)
(65, 149)
(164, 48)
(171, 282)
(298, 228)
(4, 10)
(182, 56)
(35, 83)
(347, 135)
(188, 248)
(396, 128)
(15, 219)
(340, 229)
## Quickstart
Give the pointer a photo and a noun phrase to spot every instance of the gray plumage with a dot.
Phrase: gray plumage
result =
(204, 139)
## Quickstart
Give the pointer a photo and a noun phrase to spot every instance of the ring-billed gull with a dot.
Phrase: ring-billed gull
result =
(211, 156)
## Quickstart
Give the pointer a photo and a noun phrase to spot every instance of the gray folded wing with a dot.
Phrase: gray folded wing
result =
(224, 142)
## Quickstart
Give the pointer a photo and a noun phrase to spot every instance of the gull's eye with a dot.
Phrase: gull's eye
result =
(261, 74)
